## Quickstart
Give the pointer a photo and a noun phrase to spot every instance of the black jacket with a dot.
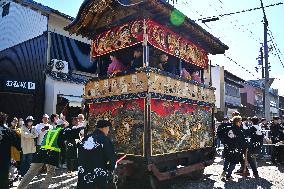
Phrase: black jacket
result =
(71, 146)
(275, 133)
(256, 139)
(281, 132)
(221, 130)
(51, 157)
(8, 138)
(234, 143)
(96, 157)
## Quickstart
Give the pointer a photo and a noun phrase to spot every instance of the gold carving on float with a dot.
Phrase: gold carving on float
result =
(155, 83)
(178, 127)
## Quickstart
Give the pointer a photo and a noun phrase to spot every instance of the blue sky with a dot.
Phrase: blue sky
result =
(243, 32)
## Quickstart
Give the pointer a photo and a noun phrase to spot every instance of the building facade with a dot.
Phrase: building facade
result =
(36, 50)
(252, 99)
(228, 96)
(281, 106)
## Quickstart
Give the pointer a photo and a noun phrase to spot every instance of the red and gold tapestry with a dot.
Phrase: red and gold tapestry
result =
(119, 37)
(127, 118)
(170, 42)
(177, 127)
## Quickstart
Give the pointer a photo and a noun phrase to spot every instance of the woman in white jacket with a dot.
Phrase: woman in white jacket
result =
(28, 144)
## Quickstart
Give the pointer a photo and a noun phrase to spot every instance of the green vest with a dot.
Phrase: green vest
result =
(50, 140)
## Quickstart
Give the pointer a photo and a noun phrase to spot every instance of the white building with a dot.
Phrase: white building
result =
(25, 20)
(228, 98)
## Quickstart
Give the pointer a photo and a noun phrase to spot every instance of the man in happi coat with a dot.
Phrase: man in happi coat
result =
(234, 145)
(96, 158)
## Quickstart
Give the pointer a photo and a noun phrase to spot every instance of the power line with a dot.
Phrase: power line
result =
(229, 58)
(274, 45)
(236, 24)
(240, 27)
(243, 28)
(271, 34)
(238, 12)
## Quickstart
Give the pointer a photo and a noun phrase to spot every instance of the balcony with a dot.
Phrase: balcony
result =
(152, 81)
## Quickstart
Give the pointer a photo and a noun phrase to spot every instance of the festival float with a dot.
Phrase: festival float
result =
(162, 122)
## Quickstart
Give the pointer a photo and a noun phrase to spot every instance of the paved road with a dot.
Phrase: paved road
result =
(270, 177)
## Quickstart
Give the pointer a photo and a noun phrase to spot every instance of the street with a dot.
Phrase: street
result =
(270, 177)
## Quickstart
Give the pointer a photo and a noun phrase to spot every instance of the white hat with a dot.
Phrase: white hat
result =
(30, 118)
(45, 115)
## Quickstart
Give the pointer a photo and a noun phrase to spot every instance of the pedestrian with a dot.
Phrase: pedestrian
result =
(221, 134)
(222, 127)
(266, 147)
(257, 137)
(27, 144)
(81, 120)
(21, 122)
(49, 154)
(53, 120)
(71, 150)
(8, 138)
(255, 142)
(245, 128)
(82, 123)
(234, 145)
(96, 157)
(41, 129)
(263, 124)
(281, 142)
(275, 138)
(15, 153)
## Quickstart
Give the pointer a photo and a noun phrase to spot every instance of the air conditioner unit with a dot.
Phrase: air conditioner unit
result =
(59, 66)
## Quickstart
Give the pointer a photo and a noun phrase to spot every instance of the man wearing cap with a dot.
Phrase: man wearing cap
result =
(41, 129)
(8, 138)
(49, 153)
(96, 157)
(221, 132)
(27, 144)
(275, 138)
(234, 144)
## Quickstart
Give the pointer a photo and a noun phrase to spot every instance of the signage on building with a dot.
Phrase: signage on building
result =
(19, 86)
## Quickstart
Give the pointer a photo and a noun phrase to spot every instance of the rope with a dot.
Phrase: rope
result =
(115, 179)
(128, 5)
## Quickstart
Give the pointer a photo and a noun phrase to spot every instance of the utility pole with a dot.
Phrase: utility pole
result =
(262, 76)
(266, 74)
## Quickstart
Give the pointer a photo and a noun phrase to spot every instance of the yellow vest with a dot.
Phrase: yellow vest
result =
(50, 140)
